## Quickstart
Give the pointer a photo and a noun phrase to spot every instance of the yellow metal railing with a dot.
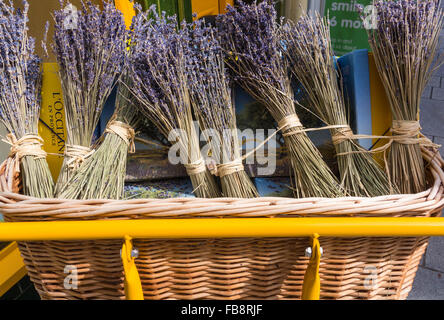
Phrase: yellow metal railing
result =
(221, 228)
(133, 286)
(12, 268)
(127, 9)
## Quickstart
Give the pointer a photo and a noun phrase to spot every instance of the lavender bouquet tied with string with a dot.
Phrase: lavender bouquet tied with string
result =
(102, 175)
(213, 105)
(250, 38)
(308, 48)
(158, 71)
(404, 44)
(90, 45)
(20, 82)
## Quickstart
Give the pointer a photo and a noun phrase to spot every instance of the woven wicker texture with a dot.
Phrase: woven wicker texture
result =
(351, 268)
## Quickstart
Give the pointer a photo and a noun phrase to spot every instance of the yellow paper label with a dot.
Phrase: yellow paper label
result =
(52, 124)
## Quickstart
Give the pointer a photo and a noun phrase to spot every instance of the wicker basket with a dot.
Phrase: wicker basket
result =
(266, 268)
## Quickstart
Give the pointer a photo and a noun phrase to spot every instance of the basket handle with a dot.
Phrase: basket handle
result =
(311, 287)
(133, 286)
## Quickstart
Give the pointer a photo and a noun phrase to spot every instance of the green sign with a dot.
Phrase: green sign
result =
(346, 27)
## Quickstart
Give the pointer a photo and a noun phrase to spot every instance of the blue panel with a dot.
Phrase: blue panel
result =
(356, 78)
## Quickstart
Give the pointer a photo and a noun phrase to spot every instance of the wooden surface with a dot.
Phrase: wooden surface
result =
(144, 165)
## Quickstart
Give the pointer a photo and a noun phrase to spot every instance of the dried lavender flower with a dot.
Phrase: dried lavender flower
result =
(307, 46)
(404, 45)
(20, 82)
(213, 105)
(158, 71)
(90, 45)
(250, 37)
(102, 176)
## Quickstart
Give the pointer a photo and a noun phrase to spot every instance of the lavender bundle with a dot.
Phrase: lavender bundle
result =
(158, 70)
(90, 46)
(404, 45)
(20, 80)
(250, 37)
(102, 175)
(307, 46)
(211, 97)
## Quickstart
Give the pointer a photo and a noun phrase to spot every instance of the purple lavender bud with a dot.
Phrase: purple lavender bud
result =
(90, 46)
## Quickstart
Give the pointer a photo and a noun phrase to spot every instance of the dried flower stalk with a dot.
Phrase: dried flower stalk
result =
(90, 45)
(307, 45)
(158, 71)
(404, 45)
(20, 84)
(250, 37)
(213, 105)
(102, 175)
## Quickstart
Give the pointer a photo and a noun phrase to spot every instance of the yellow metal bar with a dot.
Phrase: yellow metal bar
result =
(127, 9)
(223, 5)
(133, 286)
(221, 228)
(12, 268)
(311, 288)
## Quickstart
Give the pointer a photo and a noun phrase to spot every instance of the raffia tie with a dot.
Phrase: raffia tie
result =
(76, 155)
(124, 131)
(196, 167)
(288, 123)
(342, 134)
(225, 169)
(28, 145)
(406, 132)
(403, 132)
(285, 125)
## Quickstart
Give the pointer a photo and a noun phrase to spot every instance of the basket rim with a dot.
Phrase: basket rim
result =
(422, 204)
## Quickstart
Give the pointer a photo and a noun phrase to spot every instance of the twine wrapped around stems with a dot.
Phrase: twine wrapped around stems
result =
(28, 145)
(225, 169)
(76, 155)
(196, 167)
(124, 131)
(342, 134)
(288, 123)
(27, 162)
(403, 132)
